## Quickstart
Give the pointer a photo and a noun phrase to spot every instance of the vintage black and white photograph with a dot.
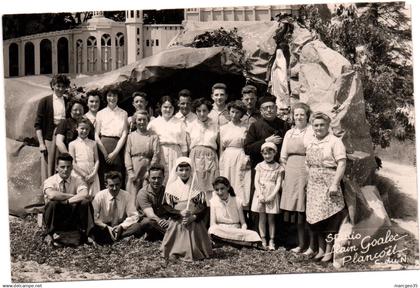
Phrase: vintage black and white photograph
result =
(211, 141)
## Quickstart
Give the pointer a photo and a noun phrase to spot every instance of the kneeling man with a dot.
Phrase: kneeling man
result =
(114, 212)
(67, 205)
(149, 204)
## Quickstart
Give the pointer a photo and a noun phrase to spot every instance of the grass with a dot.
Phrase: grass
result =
(137, 258)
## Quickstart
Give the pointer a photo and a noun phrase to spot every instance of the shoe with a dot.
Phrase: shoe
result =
(264, 244)
(92, 242)
(48, 240)
(271, 246)
(319, 256)
(309, 253)
(296, 250)
(327, 258)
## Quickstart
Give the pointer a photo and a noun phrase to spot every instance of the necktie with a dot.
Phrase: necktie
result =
(63, 186)
(114, 212)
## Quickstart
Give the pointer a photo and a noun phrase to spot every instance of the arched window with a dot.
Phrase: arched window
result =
(119, 44)
(45, 56)
(106, 52)
(79, 56)
(63, 55)
(91, 54)
(29, 59)
(13, 60)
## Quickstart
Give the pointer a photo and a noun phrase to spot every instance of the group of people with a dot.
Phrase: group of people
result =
(202, 175)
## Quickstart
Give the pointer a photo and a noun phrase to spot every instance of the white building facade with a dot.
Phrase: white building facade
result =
(102, 45)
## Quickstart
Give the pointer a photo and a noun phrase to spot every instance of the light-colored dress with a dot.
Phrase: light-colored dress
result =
(269, 173)
(189, 242)
(172, 140)
(234, 164)
(321, 158)
(85, 160)
(293, 151)
(228, 226)
(203, 145)
(142, 150)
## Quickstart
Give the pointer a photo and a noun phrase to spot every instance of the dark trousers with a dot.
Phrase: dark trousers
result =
(67, 217)
(102, 236)
(152, 228)
(118, 165)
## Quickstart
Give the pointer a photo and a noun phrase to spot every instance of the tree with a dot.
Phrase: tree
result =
(376, 39)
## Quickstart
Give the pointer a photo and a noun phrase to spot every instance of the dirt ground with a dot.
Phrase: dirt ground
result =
(33, 261)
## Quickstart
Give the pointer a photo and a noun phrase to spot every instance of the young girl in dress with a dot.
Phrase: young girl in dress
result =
(266, 201)
(186, 236)
(141, 151)
(85, 157)
(227, 222)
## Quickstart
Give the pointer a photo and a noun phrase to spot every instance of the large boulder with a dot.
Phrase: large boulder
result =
(21, 99)
(24, 178)
(257, 40)
(325, 80)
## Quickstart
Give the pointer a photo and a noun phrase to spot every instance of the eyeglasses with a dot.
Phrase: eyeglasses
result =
(270, 107)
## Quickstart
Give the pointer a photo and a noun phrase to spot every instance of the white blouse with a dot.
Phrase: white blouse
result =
(112, 122)
(203, 134)
(170, 132)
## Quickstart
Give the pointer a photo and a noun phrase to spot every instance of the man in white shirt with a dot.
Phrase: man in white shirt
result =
(184, 104)
(219, 114)
(115, 214)
(67, 204)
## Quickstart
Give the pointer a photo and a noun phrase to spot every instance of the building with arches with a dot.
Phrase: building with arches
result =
(102, 45)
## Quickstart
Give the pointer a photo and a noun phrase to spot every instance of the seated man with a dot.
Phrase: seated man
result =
(67, 204)
(149, 204)
(114, 212)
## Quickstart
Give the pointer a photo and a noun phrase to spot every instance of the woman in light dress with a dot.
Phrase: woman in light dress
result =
(172, 137)
(325, 207)
(234, 163)
(292, 158)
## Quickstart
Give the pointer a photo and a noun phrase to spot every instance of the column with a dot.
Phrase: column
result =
(99, 54)
(21, 58)
(84, 55)
(6, 60)
(37, 56)
(113, 52)
(54, 56)
(70, 42)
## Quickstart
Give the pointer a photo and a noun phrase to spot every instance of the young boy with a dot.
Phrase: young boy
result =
(219, 114)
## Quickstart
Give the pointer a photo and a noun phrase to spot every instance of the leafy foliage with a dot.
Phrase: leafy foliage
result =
(376, 39)
(222, 38)
(18, 25)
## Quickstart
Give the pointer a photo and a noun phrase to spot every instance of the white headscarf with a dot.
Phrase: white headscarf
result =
(177, 188)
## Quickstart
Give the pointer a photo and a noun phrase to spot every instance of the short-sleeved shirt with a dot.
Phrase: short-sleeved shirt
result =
(112, 121)
(203, 134)
(186, 120)
(170, 132)
(332, 147)
(219, 117)
(147, 198)
(248, 119)
(74, 185)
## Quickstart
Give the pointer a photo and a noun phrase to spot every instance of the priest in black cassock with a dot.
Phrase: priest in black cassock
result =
(269, 128)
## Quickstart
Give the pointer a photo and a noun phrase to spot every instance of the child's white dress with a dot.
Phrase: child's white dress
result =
(269, 173)
(85, 160)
